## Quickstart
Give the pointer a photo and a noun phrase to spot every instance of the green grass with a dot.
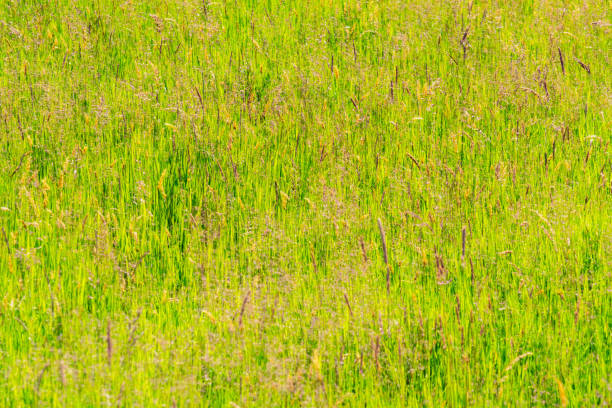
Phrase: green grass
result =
(191, 195)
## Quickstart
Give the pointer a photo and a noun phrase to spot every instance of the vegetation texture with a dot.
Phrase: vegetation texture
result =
(305, 203)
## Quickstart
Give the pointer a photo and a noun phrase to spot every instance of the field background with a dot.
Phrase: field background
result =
(316, 203)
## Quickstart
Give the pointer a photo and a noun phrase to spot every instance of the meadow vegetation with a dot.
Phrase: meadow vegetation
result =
(305, 203)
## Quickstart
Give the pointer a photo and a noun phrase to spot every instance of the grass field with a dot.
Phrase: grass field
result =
(305, 203)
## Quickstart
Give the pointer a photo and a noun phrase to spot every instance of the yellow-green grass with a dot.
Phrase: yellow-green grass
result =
(305, 203)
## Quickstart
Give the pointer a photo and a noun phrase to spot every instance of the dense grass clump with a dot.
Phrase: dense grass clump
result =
(305, 203)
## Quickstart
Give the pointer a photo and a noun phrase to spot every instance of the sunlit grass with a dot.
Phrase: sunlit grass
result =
(322, 203)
